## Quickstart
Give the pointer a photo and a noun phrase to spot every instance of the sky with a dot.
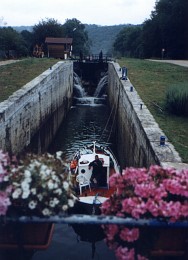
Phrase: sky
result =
(100, 12)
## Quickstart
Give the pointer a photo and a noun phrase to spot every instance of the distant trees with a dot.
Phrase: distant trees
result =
(23, 43)
(166, 30)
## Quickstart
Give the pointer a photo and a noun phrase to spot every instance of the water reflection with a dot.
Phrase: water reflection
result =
(83, 125)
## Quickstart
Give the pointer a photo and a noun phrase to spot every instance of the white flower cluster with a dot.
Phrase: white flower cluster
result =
(41, 184)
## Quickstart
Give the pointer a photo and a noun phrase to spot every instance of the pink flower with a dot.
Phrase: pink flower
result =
(157, 192)
(129, 235)
(123, 253)
(134, 206)
(112, 231)
(4, 203)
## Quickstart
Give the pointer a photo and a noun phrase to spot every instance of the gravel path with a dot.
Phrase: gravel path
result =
(5, 62)
(183, 63)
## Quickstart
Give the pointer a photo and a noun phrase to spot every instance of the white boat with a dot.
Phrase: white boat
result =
(80, 174)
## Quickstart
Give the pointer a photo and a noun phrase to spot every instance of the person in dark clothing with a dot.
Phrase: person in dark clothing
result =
(97, 170)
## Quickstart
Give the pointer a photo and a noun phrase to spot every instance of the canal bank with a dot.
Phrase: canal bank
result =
(30, 118)
(26, 113)
(138, 136)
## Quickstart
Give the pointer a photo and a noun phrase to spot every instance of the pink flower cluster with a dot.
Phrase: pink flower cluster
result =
(144, 193)
(156, 192)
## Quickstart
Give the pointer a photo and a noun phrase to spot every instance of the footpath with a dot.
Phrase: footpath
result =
(183, 63)
(5, 62)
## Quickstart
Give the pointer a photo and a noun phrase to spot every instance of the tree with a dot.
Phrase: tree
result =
(12, 41)
(73, 28)
(46, 28)
(28, 39)
(167, 29)
(127, 42)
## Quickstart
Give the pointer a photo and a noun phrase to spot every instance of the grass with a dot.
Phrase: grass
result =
(16, 75)
(151, 80)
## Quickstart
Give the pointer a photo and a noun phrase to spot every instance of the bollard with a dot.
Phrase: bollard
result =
(124, 73)
(162, 140)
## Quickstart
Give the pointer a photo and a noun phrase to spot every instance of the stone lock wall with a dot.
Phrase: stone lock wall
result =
(28, 109)
(137, 133)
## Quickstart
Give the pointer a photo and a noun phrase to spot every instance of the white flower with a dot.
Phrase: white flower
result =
(16, 193)
(53, 202)
(43, 167)
(34, 191)
(66, 185)
(58, 155)
(36, 163)
(25, 194)
(70, 203)
(58, 191)
(55, 185)
(27, 174)
(32, 204)
(50, 184)
(48, 172)
(6, 178)
(46, 212)
(25, 185)
(64, 207)
(40, 197)
(54, 177)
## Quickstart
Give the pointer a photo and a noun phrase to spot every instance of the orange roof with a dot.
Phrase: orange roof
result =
(58, 40)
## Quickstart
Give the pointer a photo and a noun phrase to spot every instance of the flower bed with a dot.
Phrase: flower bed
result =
(154, 193)
(34, 185)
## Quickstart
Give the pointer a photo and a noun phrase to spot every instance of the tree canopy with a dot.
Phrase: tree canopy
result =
(73, 28)
(166, 31)
(12, 42)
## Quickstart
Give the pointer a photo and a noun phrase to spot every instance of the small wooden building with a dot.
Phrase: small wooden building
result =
(60, 48)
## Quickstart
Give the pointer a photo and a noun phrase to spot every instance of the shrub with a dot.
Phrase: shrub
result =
(177, 99)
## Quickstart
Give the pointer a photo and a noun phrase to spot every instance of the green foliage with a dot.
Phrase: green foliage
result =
(127, 42)
(166, 29)
(46, 28)
(10, 39)
(177, 99)
(73, 28)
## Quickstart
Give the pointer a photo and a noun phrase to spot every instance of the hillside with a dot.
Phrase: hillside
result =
(101, 37)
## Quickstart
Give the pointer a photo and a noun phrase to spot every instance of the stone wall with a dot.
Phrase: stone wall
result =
(31, 107)
(137, 133)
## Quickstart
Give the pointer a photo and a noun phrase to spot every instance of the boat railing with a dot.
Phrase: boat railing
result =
(116, 165)
(98, 219)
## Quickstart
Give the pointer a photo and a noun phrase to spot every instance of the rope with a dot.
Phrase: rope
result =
(115, 112)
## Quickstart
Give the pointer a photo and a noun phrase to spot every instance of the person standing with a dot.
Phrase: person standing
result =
(97, 170)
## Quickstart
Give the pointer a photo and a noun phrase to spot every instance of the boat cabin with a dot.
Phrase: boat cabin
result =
(86, 159)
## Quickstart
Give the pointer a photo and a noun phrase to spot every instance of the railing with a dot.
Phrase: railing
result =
(93, 58)
(98, 219)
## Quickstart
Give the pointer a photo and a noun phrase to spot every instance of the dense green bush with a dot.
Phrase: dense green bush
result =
(177, 99)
